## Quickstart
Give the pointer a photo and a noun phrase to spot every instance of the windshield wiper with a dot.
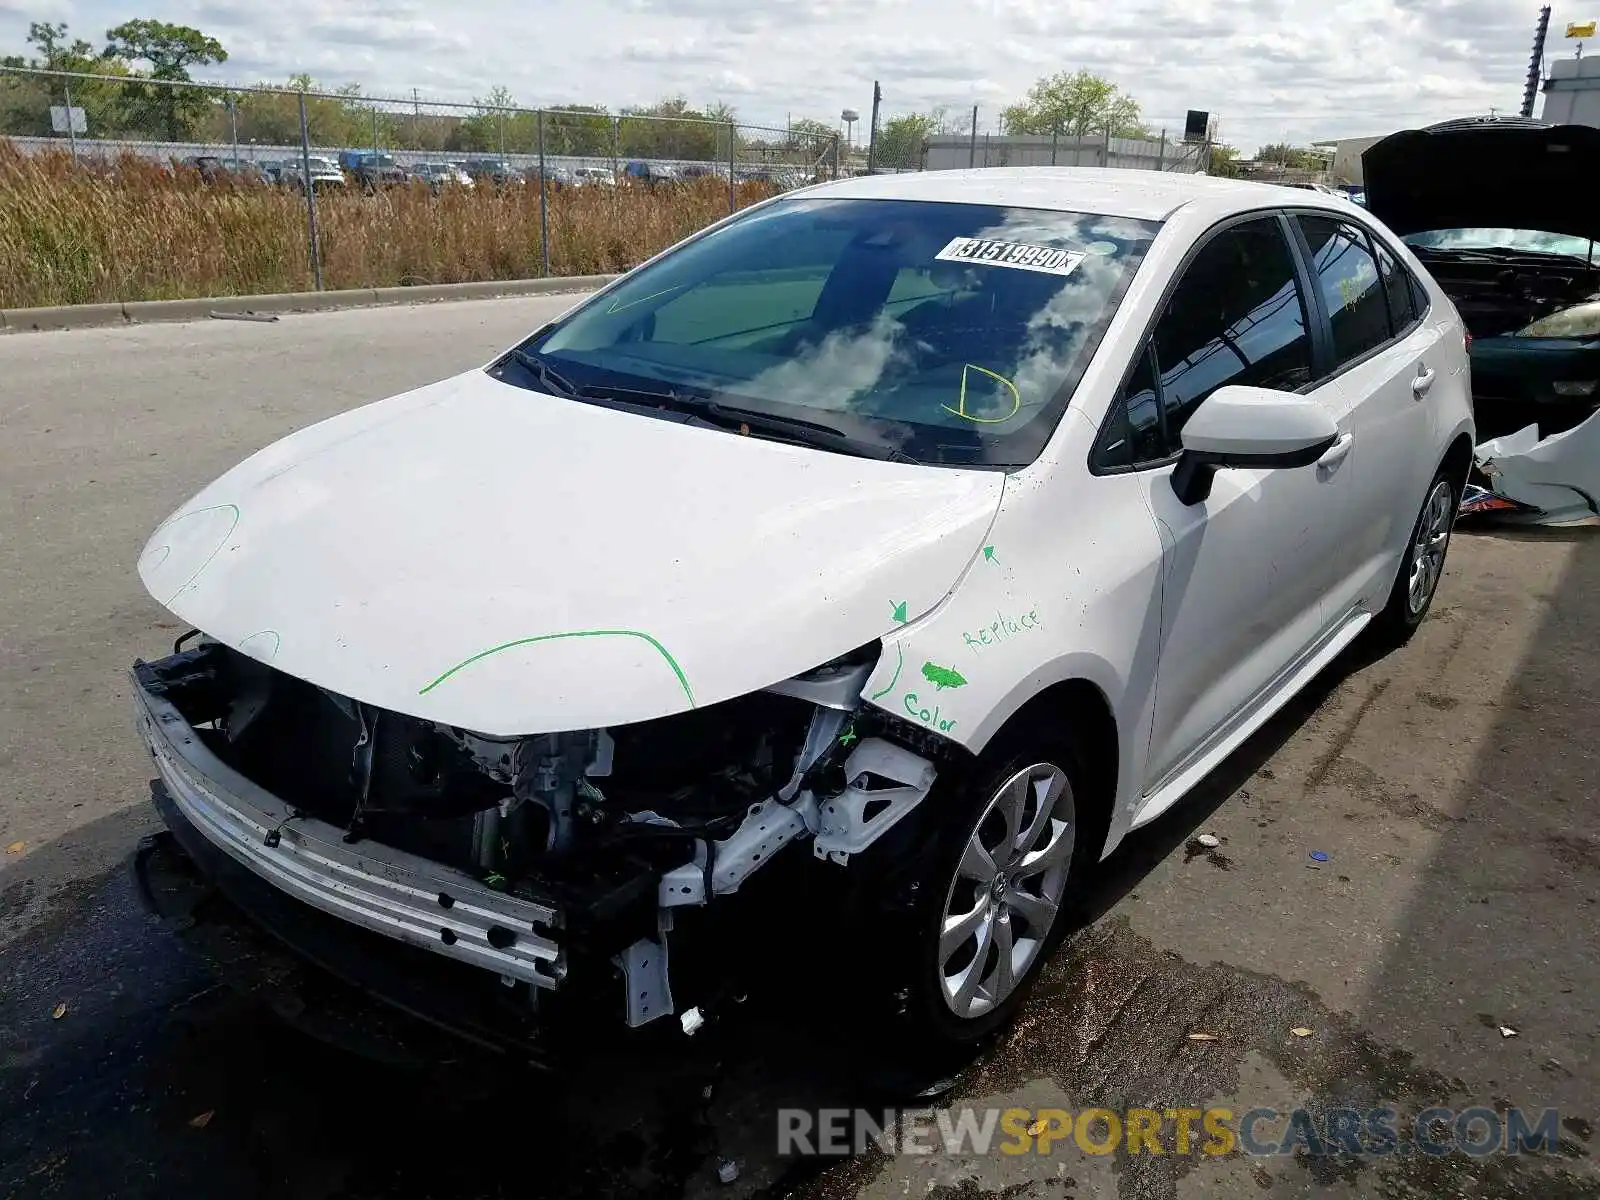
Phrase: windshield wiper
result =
(1500, 254)
(748, 420)
(546, 374)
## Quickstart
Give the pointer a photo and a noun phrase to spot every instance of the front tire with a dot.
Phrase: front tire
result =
(1422, 566)
(993, 886)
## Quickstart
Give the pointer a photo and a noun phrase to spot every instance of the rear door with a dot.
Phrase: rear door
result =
(1380, 365)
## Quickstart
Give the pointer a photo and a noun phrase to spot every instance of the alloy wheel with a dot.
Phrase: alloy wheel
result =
(1428, 547)
(1006, 893)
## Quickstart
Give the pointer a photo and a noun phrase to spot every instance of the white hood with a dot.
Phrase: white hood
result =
(511, 562)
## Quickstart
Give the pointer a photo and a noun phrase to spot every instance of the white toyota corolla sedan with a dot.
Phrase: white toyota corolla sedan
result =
(891, 548)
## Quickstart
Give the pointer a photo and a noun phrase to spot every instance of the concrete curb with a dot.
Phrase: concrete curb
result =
(89, 316)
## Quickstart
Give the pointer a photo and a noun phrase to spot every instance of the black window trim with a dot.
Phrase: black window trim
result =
(1321, 336)
(1326, 371)
(1319, 327)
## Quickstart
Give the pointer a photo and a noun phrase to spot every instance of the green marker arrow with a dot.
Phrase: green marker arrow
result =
(942, 677)
(900, 612)
(988, 554)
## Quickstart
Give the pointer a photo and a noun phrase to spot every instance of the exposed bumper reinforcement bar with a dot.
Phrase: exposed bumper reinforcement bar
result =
(377, 887)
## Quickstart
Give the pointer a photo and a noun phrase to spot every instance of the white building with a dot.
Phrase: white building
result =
(1572, 92)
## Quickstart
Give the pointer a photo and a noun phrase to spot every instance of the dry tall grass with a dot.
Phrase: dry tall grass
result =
(134, 231)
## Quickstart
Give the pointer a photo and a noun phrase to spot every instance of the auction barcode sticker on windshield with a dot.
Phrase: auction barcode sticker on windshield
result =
(1011, 254)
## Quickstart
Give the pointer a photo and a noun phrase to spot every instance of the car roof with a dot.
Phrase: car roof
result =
(1143, 195)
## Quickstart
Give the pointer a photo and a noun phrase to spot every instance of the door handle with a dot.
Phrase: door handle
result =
(1334, 454)
(1422, 382)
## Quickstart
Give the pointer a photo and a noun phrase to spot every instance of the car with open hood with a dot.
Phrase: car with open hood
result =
(821, 571)
(1501, 211)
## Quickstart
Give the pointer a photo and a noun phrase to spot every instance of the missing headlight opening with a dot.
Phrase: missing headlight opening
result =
(525, 855)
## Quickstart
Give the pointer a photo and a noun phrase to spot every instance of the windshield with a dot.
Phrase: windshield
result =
(1530, 241)
(953, 333)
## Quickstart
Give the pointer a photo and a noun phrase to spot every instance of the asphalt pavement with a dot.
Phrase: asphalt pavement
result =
(1407, 866)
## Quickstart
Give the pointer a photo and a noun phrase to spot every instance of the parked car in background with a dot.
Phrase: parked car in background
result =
(324, 173)
(272, 168)
(496, 172)
(511, 787)
(1502, 211)
(594, 176)
(1510, 237)
(252, 172)
(647, 174)
(688, 172)
(209, 166)
(372, 170)
(440, 175)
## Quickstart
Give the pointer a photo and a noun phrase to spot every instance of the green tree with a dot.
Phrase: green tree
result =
(1293, 157)
(25, 101)
(56, 53)
(1074, 103)
(1224, 162)
(170, 50)
(900, 139)
(578, 129)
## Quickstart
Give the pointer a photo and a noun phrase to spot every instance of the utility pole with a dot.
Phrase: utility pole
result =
(972, 146)
(872, 136)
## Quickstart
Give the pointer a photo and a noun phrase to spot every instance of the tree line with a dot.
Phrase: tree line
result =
(128, 106)
(1070, 104)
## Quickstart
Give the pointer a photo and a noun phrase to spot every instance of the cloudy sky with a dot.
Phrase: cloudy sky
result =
(1303, 69)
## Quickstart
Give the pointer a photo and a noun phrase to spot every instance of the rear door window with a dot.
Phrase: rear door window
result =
(1346, 276)
(1399, 288)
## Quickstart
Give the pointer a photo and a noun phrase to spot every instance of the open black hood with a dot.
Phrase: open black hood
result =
(1492, 173)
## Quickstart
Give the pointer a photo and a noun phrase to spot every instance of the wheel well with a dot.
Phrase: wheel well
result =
(1082, 707)
(1457, 459)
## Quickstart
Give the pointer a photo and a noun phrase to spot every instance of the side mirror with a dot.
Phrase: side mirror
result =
(1239, 426)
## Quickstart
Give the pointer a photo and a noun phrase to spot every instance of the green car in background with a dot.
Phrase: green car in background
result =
(1503, 213)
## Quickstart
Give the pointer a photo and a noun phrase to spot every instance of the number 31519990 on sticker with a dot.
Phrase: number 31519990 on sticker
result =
(1011, 254)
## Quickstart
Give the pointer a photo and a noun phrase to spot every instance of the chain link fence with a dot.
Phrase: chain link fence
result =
(909, 144)
(126, 188)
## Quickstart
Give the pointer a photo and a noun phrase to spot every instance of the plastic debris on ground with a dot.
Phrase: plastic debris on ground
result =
(1202, 1037)
(16, 847)
(58, 1011)
(1320, 856)
(1209, 840)
(1507, 1032)
(727, 1170)
(1300, 1031)
(1554, 478)
(204, 1119)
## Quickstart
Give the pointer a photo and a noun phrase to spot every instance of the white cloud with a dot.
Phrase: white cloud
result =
(1267, 69)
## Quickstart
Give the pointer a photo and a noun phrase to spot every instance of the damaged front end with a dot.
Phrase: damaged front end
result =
(549, 861)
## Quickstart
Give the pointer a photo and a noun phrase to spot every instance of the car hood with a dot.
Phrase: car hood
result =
(511, 562)
(1508, 174)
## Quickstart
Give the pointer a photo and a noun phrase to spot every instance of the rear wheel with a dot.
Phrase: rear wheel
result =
(1422, 566)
